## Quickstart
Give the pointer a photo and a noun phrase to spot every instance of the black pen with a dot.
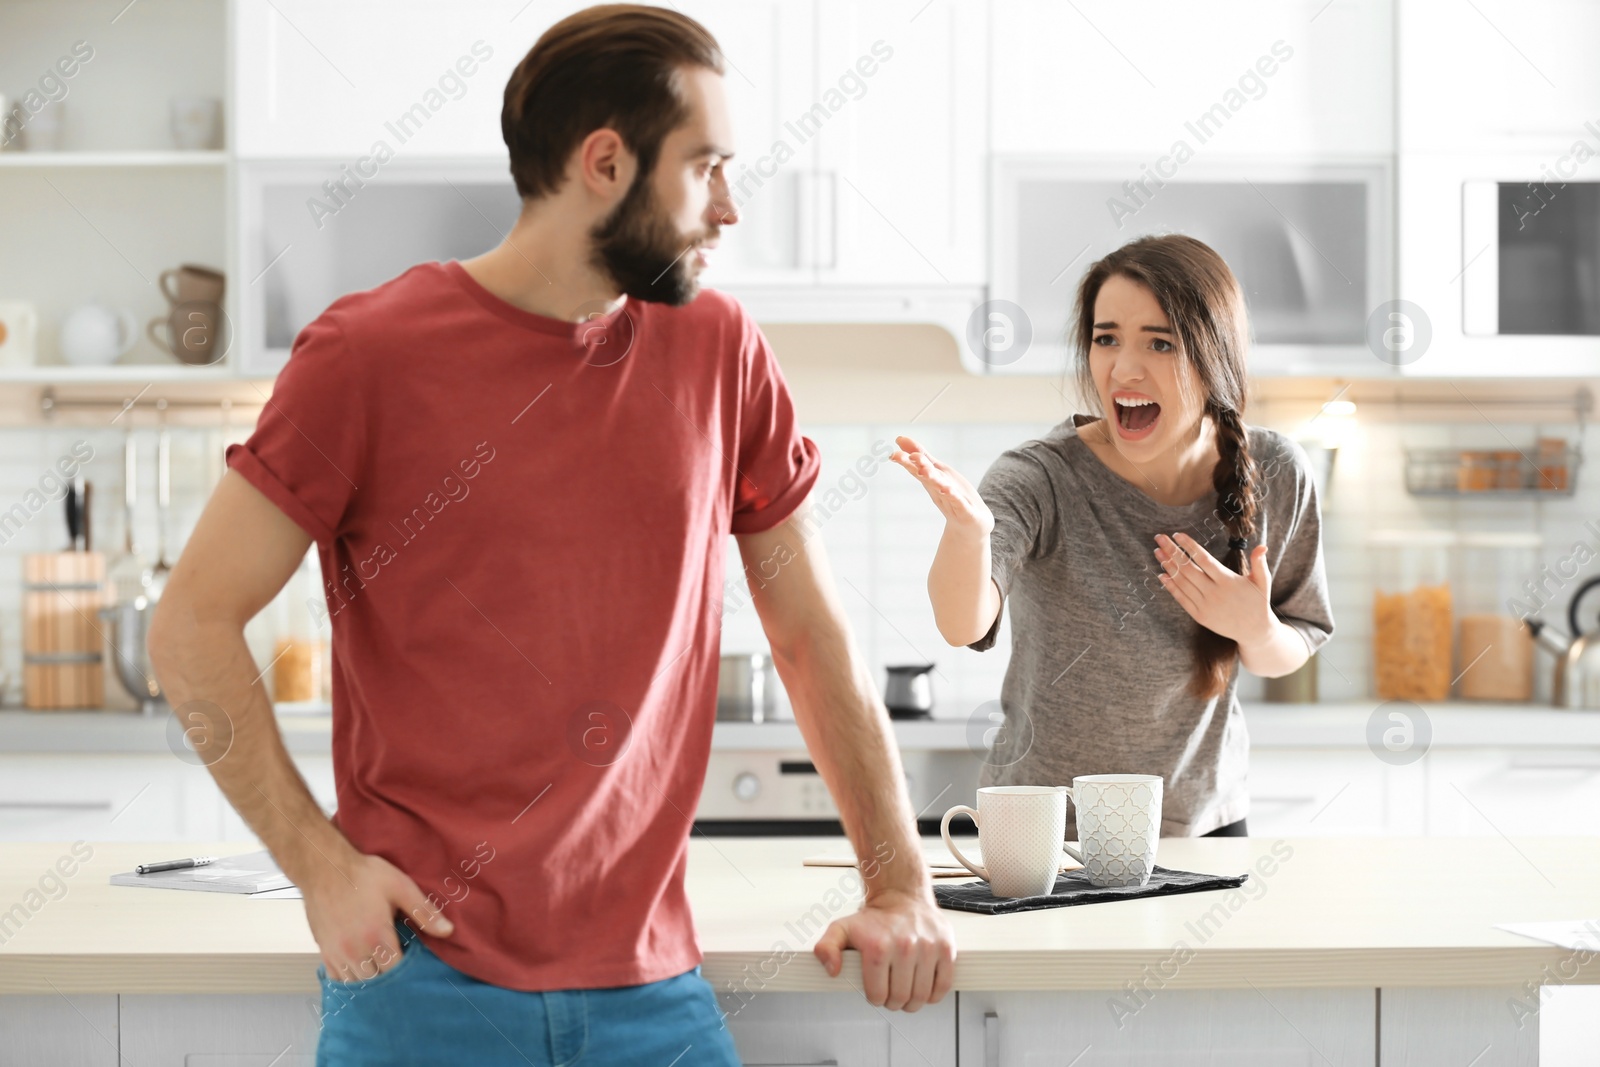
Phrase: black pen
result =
(174, 865)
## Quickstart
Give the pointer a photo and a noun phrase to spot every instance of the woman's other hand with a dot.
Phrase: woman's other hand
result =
(1237, 606)
(963, 509)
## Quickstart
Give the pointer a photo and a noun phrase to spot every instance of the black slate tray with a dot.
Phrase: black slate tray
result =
(1072, 887)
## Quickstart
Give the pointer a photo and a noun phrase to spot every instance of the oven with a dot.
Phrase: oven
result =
(776, 791)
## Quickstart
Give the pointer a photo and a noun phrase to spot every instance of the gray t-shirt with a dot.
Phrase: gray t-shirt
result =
(1101, 653)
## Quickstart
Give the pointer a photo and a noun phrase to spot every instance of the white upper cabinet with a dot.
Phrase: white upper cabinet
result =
(861, 142)
(314, 78)
(1497, 75)
(901, 109)
(769, 57)
(1284, 77)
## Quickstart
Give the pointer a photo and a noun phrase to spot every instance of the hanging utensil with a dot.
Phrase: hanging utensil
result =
(129, 573)
(158, 576)
(73, 519)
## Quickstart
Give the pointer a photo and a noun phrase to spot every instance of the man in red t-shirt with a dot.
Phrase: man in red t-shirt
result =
(519, 472)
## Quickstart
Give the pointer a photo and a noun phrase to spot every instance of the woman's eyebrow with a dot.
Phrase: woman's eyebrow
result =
(1147, 329)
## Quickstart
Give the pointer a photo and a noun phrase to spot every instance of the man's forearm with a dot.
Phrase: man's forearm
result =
(211, 682)
(847, 732)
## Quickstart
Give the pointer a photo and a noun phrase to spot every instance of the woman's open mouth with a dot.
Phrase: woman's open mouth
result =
(1136, 418)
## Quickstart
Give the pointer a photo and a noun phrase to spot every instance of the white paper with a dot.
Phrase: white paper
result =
(1567, 933)
(249, 872)
(288, 893)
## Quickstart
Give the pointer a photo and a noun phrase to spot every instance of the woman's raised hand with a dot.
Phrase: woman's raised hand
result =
(954, 496)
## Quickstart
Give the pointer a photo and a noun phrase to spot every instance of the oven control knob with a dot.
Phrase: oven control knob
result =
(747, 786)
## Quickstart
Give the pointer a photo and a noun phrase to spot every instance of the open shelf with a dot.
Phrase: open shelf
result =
(114, 159)
(114, 373)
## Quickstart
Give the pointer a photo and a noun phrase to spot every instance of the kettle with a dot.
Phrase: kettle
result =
(1577, 674)
(909, 694)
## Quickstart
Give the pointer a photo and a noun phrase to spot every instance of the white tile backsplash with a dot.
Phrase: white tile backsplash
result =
(880, 533)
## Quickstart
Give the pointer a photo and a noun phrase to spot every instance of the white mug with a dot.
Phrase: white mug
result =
(19, 326)
(1119, 824)
(1020, 830)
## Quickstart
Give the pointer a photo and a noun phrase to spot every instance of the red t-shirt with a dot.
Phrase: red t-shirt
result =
(522, 524)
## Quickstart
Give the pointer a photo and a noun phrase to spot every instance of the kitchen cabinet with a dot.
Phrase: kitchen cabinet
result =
(96, 797)
(302, 260)
(1310, 244)
(333, 80)
(769, 57)
(1533, 792)
(60, 1030)
(795, 1029)
(1497, 75)
(862, 133)
(1333, 792)
(191, 1030)
(106, 798)
(1144, 1023)
(901, 159)
(1057, 66)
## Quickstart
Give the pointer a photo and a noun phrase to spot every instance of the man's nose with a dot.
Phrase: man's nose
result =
(722, 211)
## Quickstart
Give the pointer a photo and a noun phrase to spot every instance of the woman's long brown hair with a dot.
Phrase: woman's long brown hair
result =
(1205, 306)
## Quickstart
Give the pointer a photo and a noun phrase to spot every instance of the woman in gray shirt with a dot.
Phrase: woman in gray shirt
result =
(1145, 556)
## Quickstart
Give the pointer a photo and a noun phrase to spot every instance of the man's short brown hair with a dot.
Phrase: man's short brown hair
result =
(613, 66)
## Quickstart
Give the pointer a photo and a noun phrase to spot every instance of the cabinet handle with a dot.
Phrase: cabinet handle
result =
(991, 1039)
(817, 219)
(1535, 765)
(55, 805)
(830, 194)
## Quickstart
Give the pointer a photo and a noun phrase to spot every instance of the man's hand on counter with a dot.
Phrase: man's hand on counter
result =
(351, 908)
(908, 949)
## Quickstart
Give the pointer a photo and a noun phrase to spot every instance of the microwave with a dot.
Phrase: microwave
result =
(1532, 250)
(1311, 243)
(313, 230)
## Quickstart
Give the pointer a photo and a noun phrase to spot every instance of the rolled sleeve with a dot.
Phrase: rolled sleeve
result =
(1299, 579)
(1017, 492)
(306, 452)
(777, 465)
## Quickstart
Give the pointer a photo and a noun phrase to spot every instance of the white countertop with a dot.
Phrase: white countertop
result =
(1271, 726)
(1325, 912)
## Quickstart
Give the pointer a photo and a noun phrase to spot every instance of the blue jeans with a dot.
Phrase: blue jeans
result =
(423, 1011)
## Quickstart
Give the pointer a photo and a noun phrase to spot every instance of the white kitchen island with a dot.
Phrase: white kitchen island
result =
(1345, 952)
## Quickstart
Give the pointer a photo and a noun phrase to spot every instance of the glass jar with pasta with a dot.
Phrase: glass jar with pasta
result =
(1494, 647)
(1413, 624)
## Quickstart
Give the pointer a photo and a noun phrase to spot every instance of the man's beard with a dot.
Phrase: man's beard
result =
(642, 252)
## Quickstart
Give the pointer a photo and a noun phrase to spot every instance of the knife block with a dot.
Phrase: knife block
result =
(62, 637)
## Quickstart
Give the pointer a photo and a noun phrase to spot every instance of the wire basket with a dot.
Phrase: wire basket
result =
(1549, 469)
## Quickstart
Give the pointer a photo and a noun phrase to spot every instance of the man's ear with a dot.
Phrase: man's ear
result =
(605, 165)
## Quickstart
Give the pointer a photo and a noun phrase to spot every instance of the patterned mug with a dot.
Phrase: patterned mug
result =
(1119, 823)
